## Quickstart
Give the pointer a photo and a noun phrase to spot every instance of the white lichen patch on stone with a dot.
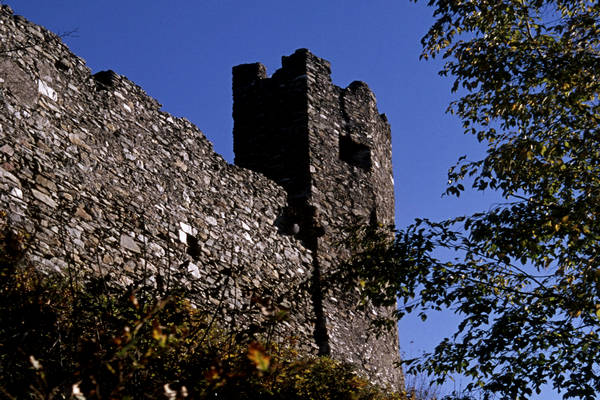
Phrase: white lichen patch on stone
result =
(194, 270)
(246, 236)
(46, 90)
(16, 192)
(188, 228)
(182, 237)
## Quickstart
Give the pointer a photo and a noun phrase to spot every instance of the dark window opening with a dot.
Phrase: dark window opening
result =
(193, 247)
(354, 153)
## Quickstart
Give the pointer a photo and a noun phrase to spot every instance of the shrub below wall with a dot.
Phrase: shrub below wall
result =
(94, 339)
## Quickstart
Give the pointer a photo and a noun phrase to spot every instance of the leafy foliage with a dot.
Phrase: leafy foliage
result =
(94, 339)
(525, 275)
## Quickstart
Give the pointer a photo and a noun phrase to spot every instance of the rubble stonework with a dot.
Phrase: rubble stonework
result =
(105, 182)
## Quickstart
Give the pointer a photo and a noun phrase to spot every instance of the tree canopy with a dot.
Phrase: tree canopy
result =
(524, 275)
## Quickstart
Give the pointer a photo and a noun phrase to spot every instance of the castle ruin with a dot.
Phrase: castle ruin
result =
(105, 182)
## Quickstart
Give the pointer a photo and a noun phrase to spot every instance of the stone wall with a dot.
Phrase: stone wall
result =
(105, 182)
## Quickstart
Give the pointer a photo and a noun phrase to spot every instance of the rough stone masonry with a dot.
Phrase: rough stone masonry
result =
(106, 183)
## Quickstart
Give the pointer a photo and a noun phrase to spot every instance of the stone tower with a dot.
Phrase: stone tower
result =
(331, 150)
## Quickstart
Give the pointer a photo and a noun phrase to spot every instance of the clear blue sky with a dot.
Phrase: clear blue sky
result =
(181, 53)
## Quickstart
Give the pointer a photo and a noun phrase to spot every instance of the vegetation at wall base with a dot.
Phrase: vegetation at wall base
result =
(94, 339)
(524, 275)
